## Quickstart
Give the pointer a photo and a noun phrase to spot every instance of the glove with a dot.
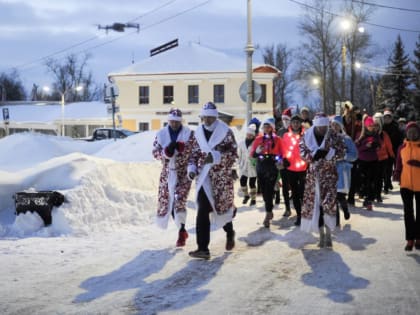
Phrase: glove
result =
(234, 175)
(208, 159)
(170, 149)
(414, 163)
(320, 154)
(191, 175)
(253, 162)
(286, 163)
(180, 146)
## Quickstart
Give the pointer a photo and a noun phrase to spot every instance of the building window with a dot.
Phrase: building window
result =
(193, 94)
(143, 126)
(143, 95)
(168, 94)
(219, 93)
(263, 98)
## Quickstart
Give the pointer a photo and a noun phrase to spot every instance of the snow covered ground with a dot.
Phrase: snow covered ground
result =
(104, 255)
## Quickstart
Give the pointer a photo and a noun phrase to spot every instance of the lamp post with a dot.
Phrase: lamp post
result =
(345, 26)
(63, 103)
(249, 51)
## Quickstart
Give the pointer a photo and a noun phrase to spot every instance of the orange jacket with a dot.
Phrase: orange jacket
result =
(385, 151)
(408, 175)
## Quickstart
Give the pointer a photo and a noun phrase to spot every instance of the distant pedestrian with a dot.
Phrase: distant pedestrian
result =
(344, 167)
(391, 128)
(173, 145)
(294, 165)
(213, 156)
(320, 148)
(267, 150)
(407, 172)
(367, 144)
(247, 167)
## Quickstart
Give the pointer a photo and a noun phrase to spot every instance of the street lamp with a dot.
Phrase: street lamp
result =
(63, 94)
(347, 25)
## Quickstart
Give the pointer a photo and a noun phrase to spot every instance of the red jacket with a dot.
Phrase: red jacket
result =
(272, 145)
(290, 146)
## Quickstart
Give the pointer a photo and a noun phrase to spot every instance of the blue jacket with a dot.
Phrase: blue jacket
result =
(344, 166)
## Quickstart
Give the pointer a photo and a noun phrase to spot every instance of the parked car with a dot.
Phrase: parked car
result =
(108, 133)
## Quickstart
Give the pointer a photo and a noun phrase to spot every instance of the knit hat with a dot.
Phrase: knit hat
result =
(412, 124)
(387, 113)
(338, 120)
(251, 129)
(304, 109)
(402, 119)
(270, 121)
(209, 109)
(369, 121)
(348, 105)
(287, 114)
(321, 119)
(296, 117)
(175, 114)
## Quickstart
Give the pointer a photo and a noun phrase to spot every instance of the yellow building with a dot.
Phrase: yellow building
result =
(187, 76)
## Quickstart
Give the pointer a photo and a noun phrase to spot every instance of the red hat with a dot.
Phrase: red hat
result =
(369, 121)
(412, 124)
(287, 114)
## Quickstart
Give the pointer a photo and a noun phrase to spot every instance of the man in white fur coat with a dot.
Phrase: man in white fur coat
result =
(212, 159)
(321, 148)
(173, 145)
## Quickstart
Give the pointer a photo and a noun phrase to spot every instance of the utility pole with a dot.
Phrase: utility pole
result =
(249, 51)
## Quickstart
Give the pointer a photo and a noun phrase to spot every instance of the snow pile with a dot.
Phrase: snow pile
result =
(105, 185)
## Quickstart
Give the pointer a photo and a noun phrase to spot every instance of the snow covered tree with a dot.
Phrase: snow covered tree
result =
(416, 79)
(395, 83)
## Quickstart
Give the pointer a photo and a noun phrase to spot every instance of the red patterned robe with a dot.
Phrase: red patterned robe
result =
(174, 185)
(216, 178)
(321, 180)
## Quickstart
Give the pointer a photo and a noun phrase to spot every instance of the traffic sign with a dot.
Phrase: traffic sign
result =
(256, 88)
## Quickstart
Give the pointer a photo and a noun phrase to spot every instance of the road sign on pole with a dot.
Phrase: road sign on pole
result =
(256, 91)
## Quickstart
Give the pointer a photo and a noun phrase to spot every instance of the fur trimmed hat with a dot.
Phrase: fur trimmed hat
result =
(209, 109)
(175, 114)
(286, 114)
(251, 129)
(321, 120)
(270, 121)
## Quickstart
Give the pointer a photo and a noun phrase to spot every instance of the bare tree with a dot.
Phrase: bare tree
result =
(71, 74)
(318, 57)
(280, 57)
(11, 87)
(357, 40)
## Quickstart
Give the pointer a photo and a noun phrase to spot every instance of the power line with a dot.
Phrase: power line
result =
(341, 16)
(88, 40)
(385, 6)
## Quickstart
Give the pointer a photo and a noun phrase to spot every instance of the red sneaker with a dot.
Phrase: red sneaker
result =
(182, 237)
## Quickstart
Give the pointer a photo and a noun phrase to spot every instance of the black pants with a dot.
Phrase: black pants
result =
(411, 222)
(341, 202)
(267, 176)
(381, 178)
(354, 181)
(297, 185)
(252, 181)
(202, 226)
(388, 173)
(285, 188)
(369, 173)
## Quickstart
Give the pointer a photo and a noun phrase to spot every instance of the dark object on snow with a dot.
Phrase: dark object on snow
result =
(41, 202)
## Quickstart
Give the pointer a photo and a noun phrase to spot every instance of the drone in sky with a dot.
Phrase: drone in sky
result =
(119, 27)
